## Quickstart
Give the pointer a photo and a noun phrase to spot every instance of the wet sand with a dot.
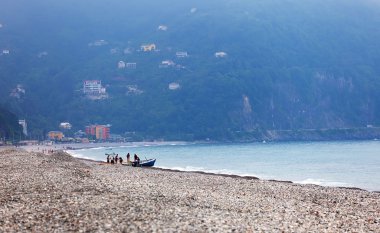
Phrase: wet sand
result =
(46, 193)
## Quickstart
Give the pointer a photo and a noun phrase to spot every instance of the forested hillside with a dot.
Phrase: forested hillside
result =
(9, 127)
(251, 66)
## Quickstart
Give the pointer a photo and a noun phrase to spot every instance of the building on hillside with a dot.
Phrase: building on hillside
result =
(98, 43)
(181, 54)
(174, 86)
(65, 125)
(93, 89)
(24, 127)
(17, 92)
(166, 64)
(100, 132)
(162, 28)
(220, 54)
(148, 47)
(121, 65)
(55, 135)
(131, 65)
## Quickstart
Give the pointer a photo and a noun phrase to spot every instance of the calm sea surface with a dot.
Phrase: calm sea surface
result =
(349, 164)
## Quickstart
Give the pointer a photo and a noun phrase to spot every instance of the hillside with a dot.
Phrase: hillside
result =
(9, 127)
(251, 65)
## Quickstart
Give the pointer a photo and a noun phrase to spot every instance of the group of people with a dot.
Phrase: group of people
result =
(114, 159)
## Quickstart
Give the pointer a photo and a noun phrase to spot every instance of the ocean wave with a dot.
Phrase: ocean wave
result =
(211, 171)
(323, 182)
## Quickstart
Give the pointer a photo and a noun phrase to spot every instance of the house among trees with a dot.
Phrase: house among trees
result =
(121, 65)
(162, 28)
(148, 47)
(18, 92)
(174, 86)
(131, 65)
(93, 89)
(65, 125)
(220, 54)
(166, 64)
(98, 43)
(181, 54)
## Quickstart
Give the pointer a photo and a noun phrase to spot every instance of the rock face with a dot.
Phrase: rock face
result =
(46, 193)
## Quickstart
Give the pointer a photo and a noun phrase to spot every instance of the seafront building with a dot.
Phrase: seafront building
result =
(100, 132)
(55, 135)
(24, 126)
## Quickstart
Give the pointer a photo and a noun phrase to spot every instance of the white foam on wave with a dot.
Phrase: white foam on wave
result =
(211, 171)
(323, 182)
(75, 154)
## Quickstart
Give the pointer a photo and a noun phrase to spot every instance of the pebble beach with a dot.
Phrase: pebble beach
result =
(59, 193)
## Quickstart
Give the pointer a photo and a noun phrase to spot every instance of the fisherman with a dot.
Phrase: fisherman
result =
(137, 160)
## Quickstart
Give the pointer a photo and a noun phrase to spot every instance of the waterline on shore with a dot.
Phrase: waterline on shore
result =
(337, 164)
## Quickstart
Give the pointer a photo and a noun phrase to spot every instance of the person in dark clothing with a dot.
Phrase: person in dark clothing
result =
(108, 158)
(116, 158)
(121, 160)
(112, 160)
(136, 161)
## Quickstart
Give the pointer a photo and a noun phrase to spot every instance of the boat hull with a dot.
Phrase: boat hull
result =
(147, 163)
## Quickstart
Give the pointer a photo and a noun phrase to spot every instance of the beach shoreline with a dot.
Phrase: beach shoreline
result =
(58, 192)
(68, 148)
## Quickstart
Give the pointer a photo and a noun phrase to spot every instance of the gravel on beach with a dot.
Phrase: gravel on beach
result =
(59, 193)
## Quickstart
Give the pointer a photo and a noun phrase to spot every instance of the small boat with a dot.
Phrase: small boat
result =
(143, 163)
(147, 163)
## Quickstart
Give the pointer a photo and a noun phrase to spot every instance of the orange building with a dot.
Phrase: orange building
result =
(101, 132)
(56, 135)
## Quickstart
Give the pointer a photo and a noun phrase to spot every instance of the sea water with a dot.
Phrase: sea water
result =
(345, 164)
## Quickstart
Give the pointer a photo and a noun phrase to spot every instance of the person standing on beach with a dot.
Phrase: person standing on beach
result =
(128, 158)
(108, 158)
(116, 158)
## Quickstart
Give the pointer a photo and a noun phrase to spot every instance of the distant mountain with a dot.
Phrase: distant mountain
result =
(219, 67)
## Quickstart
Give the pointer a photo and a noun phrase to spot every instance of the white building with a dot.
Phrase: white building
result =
(24, 127)
(131, 65)
(6, 51)
(166, 64)
(174, 86)
(220, 54)
(162, 28)
(98, 43)
(121, 65)
(93, 87)
(181, 54)
(65, 125)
